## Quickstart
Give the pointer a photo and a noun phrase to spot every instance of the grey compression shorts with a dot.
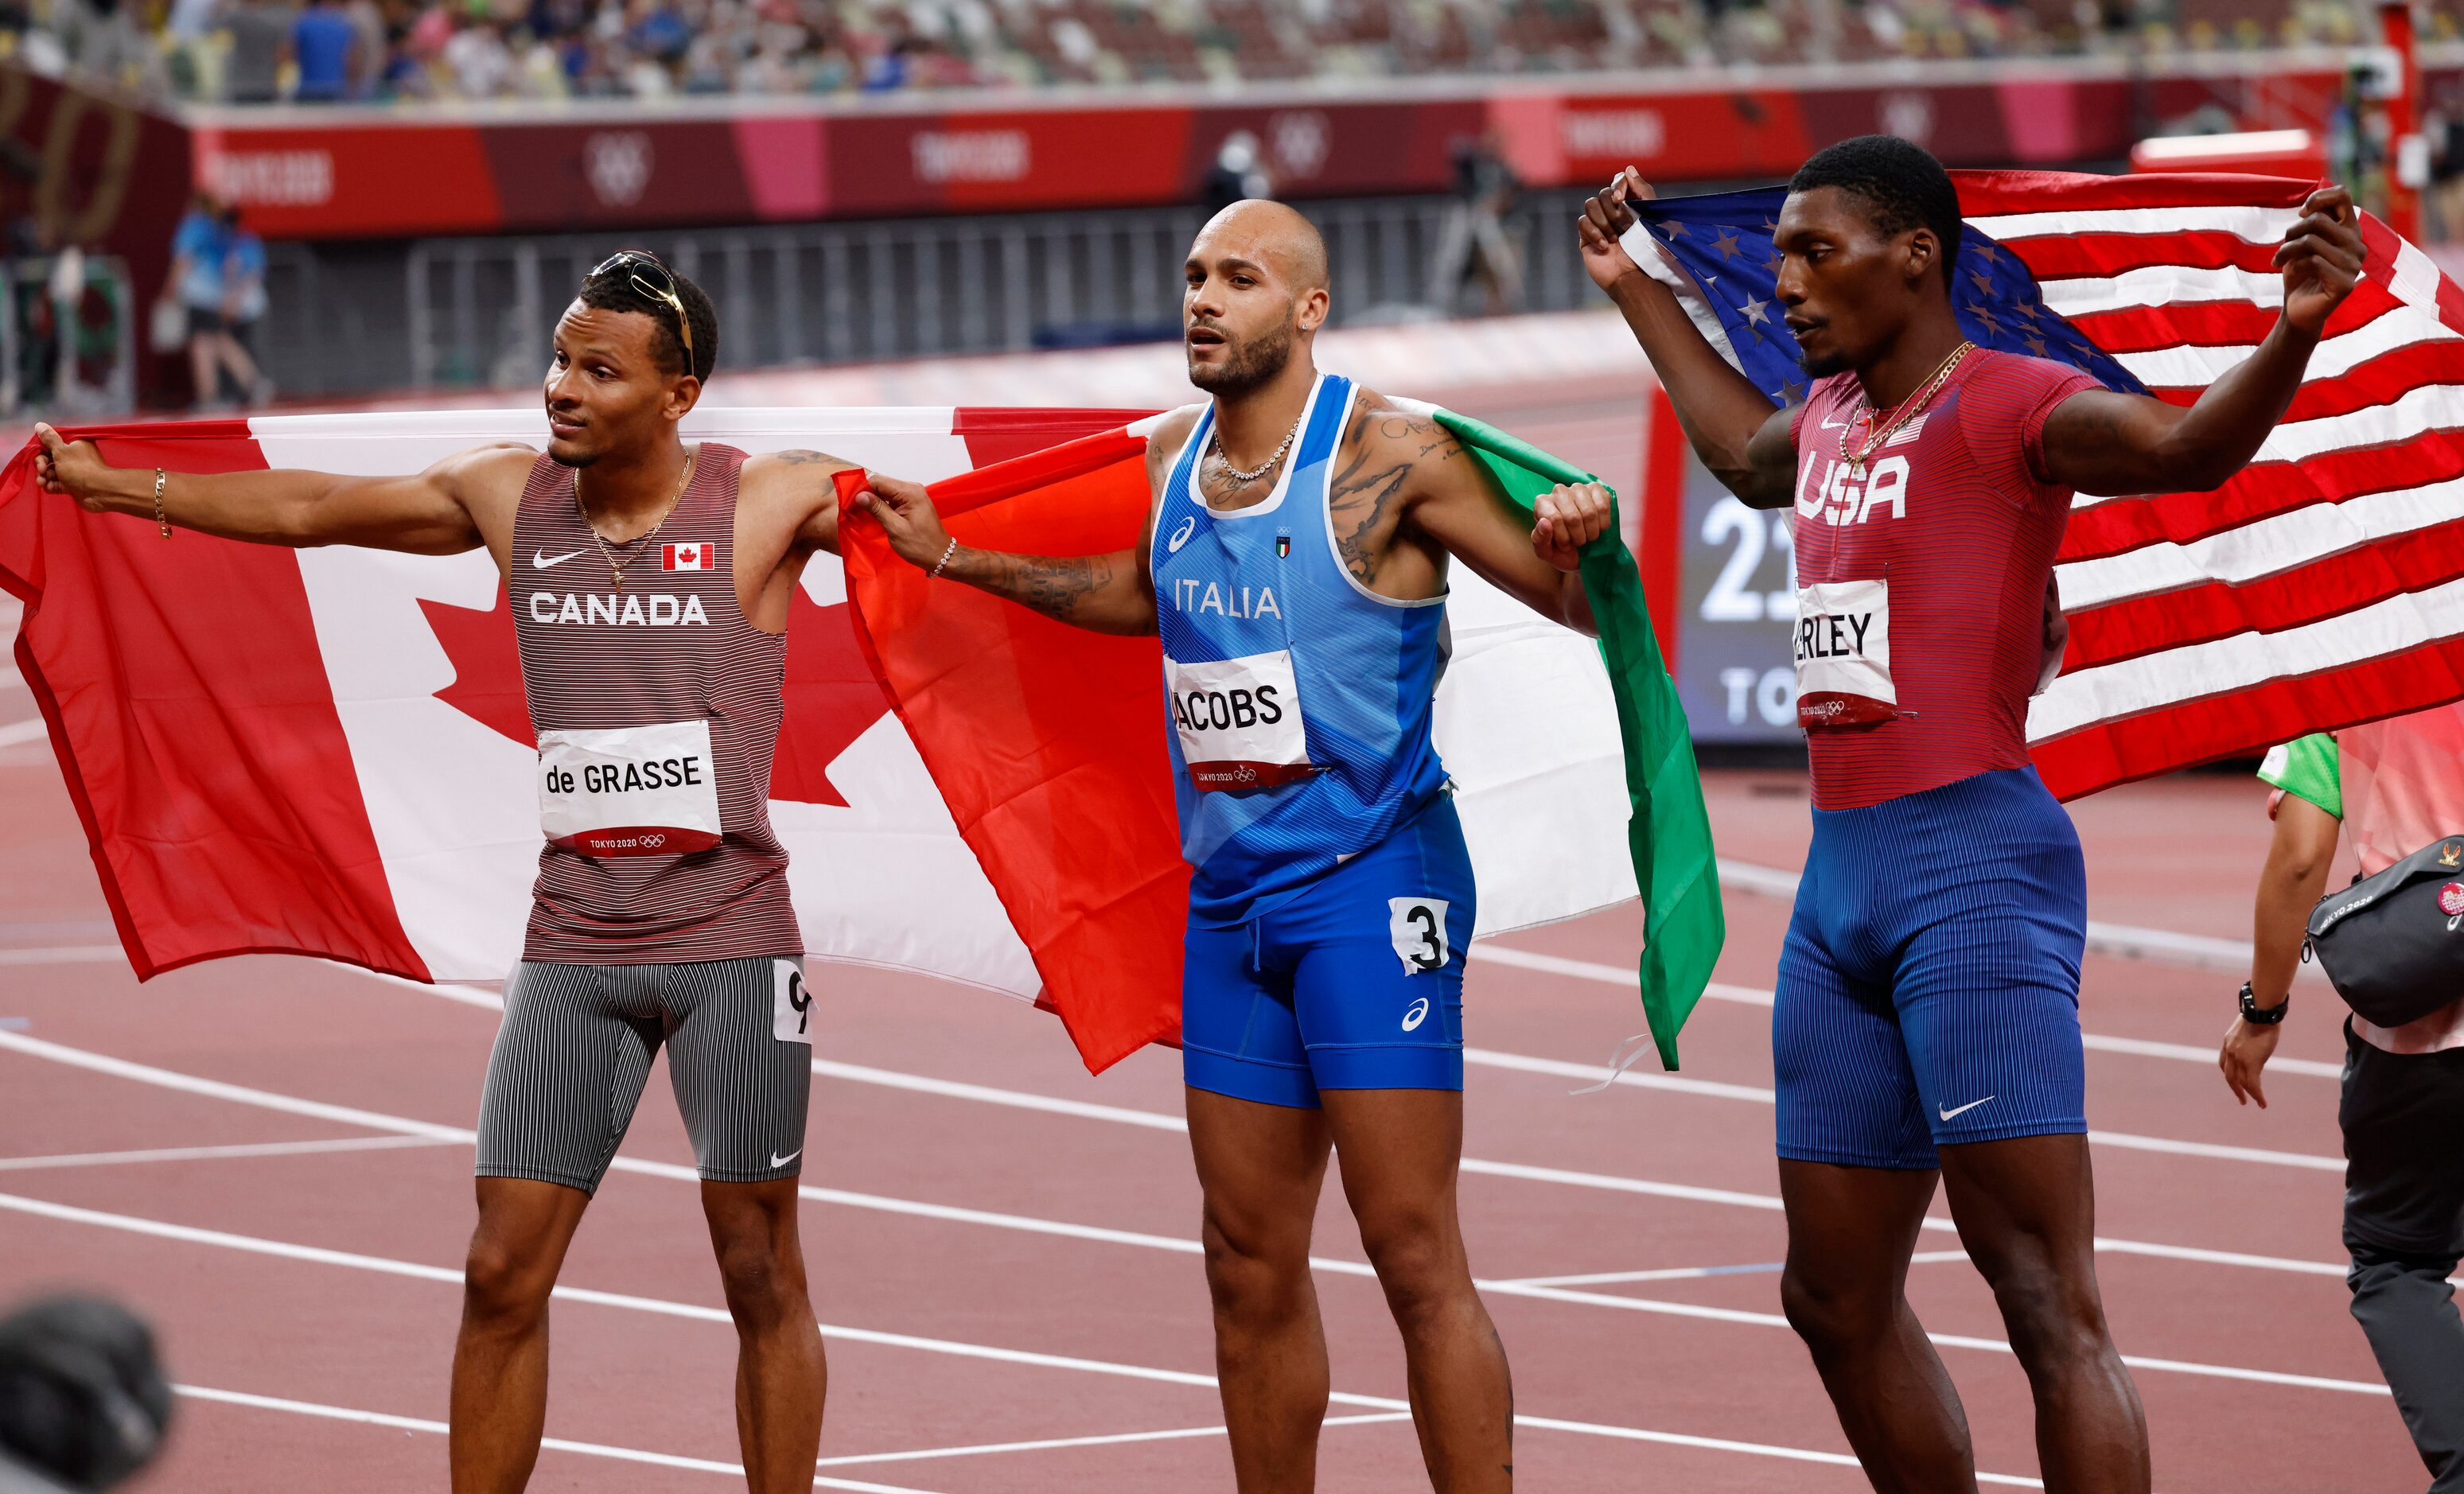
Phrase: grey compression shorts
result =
(576, 1046)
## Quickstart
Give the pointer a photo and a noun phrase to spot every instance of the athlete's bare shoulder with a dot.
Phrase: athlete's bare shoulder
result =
(794, 464)
(486, 481)
(1388, 429)
(1165, 439)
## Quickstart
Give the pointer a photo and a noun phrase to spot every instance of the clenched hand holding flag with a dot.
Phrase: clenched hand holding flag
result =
(327, 751)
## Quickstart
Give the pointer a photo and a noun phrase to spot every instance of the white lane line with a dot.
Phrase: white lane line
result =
(1109, 1439)
(1691, 1273)
(1102, 1235)
(1151, 1120)
(21, 1164)
(16, 732)
(384, 1265)
(1489, 1057)
(559, 1444)
(1750, 996)
(65, 953)
(2114, 941)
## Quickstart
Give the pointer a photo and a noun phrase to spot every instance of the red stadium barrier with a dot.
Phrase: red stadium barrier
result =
(340, 173)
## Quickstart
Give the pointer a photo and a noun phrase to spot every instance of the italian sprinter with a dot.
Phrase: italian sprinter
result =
(1296, 566)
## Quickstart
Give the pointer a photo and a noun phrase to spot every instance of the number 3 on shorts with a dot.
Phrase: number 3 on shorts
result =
(1418, 926)
(791, 1003)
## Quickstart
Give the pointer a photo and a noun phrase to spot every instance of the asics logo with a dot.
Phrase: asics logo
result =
(1962, 1110)
(1418, 1014)
(776, 1160)
(542, 561)
(1180, 536)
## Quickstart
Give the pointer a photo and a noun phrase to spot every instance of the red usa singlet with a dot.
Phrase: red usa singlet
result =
(656, 704)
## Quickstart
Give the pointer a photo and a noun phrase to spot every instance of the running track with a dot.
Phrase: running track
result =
(269, 1157)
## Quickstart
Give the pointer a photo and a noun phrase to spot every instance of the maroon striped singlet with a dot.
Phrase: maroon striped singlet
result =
(668, 648)
(1955, 513)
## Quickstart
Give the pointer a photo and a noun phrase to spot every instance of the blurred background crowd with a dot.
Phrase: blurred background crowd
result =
(328, 50)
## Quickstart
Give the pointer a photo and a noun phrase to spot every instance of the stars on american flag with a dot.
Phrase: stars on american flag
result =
(1754, 311)
(1726, 244)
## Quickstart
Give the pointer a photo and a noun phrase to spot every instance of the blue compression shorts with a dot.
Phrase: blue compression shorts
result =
(1928, 988)
(1355, 984)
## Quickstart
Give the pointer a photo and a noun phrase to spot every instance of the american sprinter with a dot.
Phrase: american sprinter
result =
(1928, 1016)
(1296, 568)
(650, 585)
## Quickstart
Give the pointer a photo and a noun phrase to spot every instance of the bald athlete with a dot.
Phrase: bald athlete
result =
(1295, 565)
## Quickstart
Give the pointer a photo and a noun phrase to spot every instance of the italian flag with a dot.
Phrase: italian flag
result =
(327, 751)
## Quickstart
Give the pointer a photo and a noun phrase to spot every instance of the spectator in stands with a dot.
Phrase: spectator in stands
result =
(325, 45)
(256, 34)
(108, 39)
(2392, 787)
(1236, 174)
(1472, 242)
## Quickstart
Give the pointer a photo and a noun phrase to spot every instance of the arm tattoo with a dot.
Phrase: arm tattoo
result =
(1052, 587)
(1373, 483)
(802, 458)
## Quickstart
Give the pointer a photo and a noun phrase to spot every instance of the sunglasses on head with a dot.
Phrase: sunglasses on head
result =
(653, 279)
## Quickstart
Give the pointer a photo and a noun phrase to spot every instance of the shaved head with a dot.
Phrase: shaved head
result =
(1255, 293)
(1272, 234)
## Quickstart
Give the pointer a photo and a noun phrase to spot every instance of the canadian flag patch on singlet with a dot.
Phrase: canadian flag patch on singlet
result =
(687, 557)
(1238, 721)
(630, 791)
(1843, 654)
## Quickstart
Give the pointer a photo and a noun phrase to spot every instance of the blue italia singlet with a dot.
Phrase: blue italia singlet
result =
(1299, 700)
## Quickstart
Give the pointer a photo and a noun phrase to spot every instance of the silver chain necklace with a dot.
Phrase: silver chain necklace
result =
(1216, 438)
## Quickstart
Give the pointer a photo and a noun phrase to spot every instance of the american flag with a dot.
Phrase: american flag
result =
(2321, 588)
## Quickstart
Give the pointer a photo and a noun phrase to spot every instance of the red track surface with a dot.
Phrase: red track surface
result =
(350, 1331)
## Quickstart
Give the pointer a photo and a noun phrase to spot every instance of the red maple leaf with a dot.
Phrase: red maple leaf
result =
(831, 696)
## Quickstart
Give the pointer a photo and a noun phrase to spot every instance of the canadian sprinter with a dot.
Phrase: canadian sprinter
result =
(651, 587)
(1926, 1025)
(1296, 566)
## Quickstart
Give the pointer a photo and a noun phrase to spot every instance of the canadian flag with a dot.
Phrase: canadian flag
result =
(329, 751)
(686, 557)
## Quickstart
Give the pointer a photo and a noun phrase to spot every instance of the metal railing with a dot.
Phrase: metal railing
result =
(477, 312)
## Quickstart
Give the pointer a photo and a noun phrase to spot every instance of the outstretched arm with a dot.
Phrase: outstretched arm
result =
(1449, 499)
(1745, 442)
(2103, 443)
(434, 513)
(1101, 593)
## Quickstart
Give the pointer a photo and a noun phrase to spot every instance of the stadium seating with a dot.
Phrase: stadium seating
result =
(415, 49)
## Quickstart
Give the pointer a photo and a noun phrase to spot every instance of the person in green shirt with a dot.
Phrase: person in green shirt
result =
(2402, 1110)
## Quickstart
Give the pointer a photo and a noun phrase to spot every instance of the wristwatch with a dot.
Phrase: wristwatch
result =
(2263, 1015)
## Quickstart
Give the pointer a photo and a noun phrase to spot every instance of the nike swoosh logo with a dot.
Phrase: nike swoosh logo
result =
(1939, 1111)
(544, 562)
(1835, 424)
(776, 1160)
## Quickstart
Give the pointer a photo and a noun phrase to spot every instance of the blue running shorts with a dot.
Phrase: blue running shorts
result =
(1355, 984)
(1928, 988)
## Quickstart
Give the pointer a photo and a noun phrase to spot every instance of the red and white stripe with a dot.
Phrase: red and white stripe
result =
(2321, 586)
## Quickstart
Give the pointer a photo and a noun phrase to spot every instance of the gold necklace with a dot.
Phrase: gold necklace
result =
(614, 570)
(1906, 410)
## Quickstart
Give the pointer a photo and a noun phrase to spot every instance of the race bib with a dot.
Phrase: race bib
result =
(791, 1003)
(1843, 654)
(634, 791)
(1418, 926)
(1239, 721)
